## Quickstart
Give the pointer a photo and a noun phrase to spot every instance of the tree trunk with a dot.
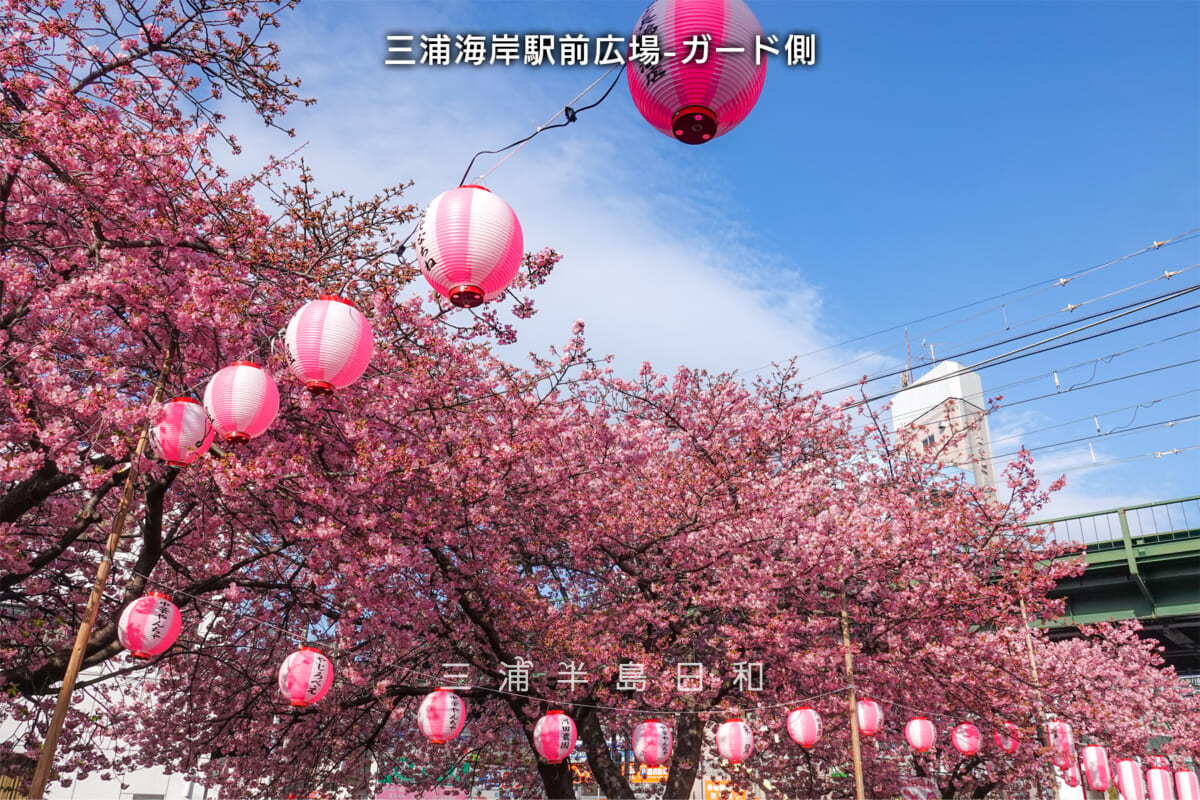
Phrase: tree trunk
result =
(608, 775)
(685, 761)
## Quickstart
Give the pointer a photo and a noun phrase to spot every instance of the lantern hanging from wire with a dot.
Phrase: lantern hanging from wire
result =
(699, 94)
(1130, 779)
(965, 738)
(735, 740)
(652, 742)
(1062, 745)
(469, 245)
(183, 434)
(1008, 738)
(870, 717)
(1095, 767)
(441, 716)
(554, 736)
(804, 726)
(149, 625)
(241, 401)
(305, 676)
(1160, 784)
(1187, 785)
(329, 344)
(920, 734)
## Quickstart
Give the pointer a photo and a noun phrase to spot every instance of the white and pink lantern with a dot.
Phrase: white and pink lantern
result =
(1160, 784)
(329, 344)
(1131, 780)
(149, 625)
(965, 738)
(441, 716)
(469, 245)
(183, 434)
(1008, 738)
(554, 736)
(241, 401)
(652, 742)
(735, 740)
(1187, 785)
(870, 717)
(1095, 767)
(1062, 745)
(1071, 775)
(804, 726)
(920, 734)
(305, 676)
(697, 99)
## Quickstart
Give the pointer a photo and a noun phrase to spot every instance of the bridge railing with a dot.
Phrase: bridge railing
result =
(1100, 530)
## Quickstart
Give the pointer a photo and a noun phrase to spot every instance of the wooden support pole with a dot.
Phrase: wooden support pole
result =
(1037, 688)
(855, 748)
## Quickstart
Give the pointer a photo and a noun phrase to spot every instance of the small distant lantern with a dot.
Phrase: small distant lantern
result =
(965, 738)
(1158, 760)
(469, 245)
(735, 741)
(804, 726)
(1095, 768)
(652, 742)
(441, 716)
(329, 344)
(149, 625)
(1071, 775)
(1160, 784)
(1008, 738)
(554, 736)
(305, 676)
(1062, 745)
(696, 100)
(183, 434)
(920, 734)
(870, 717)
(241, 401)
(1130, 780)
(1187, 785)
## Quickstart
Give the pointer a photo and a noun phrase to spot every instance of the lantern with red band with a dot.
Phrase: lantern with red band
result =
(149, 625)
(1160, 784)
(441, 716)
(870, 717)
(1071, 775)
(1062, 745)
(965, 738)
(1130, 780)
(329, 344)
(804, 726)
(183, 434)
(1008, 738)
(1095, 768)
(652, 742)
(554, 736)
(305, 676)
(735, 741)
(920, 734)
(241, 401)
(469, 245)
(1187, 785)
(696, 100)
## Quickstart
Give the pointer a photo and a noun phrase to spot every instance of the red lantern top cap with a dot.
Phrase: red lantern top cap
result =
(653, 720)
(335, 298)
(185, 400)
(310, 649)
(245, 364)
(554, 711)
(166, 597)
(475, 186)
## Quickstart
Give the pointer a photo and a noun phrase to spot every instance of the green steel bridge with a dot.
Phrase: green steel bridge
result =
(1143, 562)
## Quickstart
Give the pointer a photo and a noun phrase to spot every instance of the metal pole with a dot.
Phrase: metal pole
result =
(46, 759)
(855, 748)
(1037, 687)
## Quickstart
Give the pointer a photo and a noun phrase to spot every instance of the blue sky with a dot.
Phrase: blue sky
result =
(938, 154)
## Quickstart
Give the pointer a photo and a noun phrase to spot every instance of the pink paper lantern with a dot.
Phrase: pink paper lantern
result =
(1187, 785)
(1008, 738)
(735, 740)
(920, 734)
(965, 738)
(652, 742)
(870, 717)
(183, 434)
(1095, 767)
(441, 716)
(1062, 745)
(1130, 780)
(1160, 784)
(241, 401)
(305, 676)
(1071, 775)
(469, 245)
(700, 100)
(804, 726)
(554, 736)
(329, 344)
(149, 625)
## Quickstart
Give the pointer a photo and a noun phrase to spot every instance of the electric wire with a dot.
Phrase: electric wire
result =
(1171, 423)
(1135, 407)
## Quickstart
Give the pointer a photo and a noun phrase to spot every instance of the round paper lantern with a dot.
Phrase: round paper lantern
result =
(1095, 768)
(149, 625)
(441, 716)
(1062, 745)
(700, 100)
(870, 717)
(329, 344)
(1160, 784)
(1008, 738)
(652, 742)
(804, 726)
(183, 434)
(241, 401)
(1157, 760)
(965, 738)
(554, 736)
(305, 676)
(469, 245)
(1130, 780)
(1071, 776)
(1187, 785)
(735, 741)
(920, 733)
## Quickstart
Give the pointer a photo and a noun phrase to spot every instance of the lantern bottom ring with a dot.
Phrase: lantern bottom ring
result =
(140, 656)
(237, 437)
(320, 387)
(694, 124)
(466, 296)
